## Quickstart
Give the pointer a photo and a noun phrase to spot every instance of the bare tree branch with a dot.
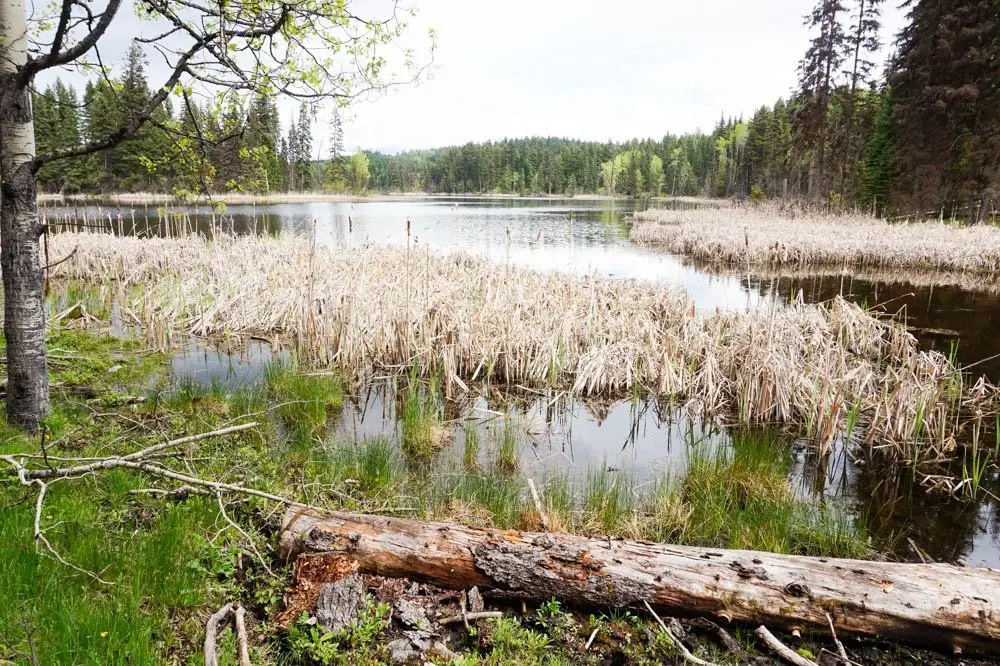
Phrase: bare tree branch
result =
(56, 58)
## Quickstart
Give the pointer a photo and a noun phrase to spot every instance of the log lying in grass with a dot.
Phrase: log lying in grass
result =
(934, 605)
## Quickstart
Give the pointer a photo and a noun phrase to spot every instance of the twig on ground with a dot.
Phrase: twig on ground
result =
(178, 493)
(253, 546)
(465, 611)
(40, 535)
(840, 646)
(216, 624)
(676, 641)
(590, 641)
(242, 642)
(780, 649)
(137, 461)
(485, 615)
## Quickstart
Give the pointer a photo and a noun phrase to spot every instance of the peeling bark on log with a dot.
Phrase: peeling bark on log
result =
(934, 605)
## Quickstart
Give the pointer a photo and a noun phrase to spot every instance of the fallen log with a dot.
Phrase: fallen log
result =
(934, 605)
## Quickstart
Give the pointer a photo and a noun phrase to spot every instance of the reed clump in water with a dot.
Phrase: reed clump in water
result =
(463, 319)
(423, 433)
(768, 236)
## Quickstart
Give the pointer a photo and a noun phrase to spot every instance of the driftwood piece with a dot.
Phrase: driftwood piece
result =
(230, 613)
(936, 605)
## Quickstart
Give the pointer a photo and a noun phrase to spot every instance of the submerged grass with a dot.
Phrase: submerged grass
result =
(305, 402)
(422, 428)
(739, 497)
(507, 460)
(770, 236)
(467, 319)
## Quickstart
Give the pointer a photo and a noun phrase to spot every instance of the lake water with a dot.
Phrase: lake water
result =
(559, 433)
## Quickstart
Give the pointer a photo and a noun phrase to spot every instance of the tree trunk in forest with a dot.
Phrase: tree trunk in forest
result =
(937, 605)
(20, 231)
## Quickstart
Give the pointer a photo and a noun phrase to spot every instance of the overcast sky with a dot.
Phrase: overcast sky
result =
(587, 69)
(591, 69)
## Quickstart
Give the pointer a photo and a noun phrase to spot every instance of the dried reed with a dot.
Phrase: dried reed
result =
(766, 235)
(807, 366)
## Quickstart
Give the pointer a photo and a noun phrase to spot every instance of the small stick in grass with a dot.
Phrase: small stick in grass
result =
(782, 650)
(676, 641)
(590, 641)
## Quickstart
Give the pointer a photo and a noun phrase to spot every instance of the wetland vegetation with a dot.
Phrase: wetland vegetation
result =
(786, 356)
(113, 395)
(773, 237)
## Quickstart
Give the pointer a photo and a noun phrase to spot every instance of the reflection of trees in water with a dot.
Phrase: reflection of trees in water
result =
(172, 223)
(898, 509)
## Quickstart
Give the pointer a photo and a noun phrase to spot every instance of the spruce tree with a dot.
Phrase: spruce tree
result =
(817, 70)
(336, 171)
(947, 104)
(878, 174)
(862, 43)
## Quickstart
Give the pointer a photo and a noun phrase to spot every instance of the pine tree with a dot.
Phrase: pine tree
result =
(262, 137)
(862, 43)
(947, 104)
(878, 175)
(301, 149)
(335, 175)
(816, 84)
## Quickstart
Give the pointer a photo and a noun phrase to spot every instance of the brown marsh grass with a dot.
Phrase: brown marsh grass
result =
(812, 368)
(769, 236)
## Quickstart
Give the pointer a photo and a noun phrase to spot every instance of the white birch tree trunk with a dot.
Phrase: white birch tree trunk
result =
(20, 231)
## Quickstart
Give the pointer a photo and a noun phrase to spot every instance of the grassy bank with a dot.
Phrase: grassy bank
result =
(168, 560)
(813, 368)
(769, 236)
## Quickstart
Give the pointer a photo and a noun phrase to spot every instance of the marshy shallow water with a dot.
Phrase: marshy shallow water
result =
(571, 436)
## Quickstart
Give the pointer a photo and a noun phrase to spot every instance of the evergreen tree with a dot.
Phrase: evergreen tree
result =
(878, 174)
(816, 84)
(947, 104)
(302, 149)
(336, 170)
(862, 43)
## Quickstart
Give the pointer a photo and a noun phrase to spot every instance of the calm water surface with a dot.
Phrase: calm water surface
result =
(570, 436)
